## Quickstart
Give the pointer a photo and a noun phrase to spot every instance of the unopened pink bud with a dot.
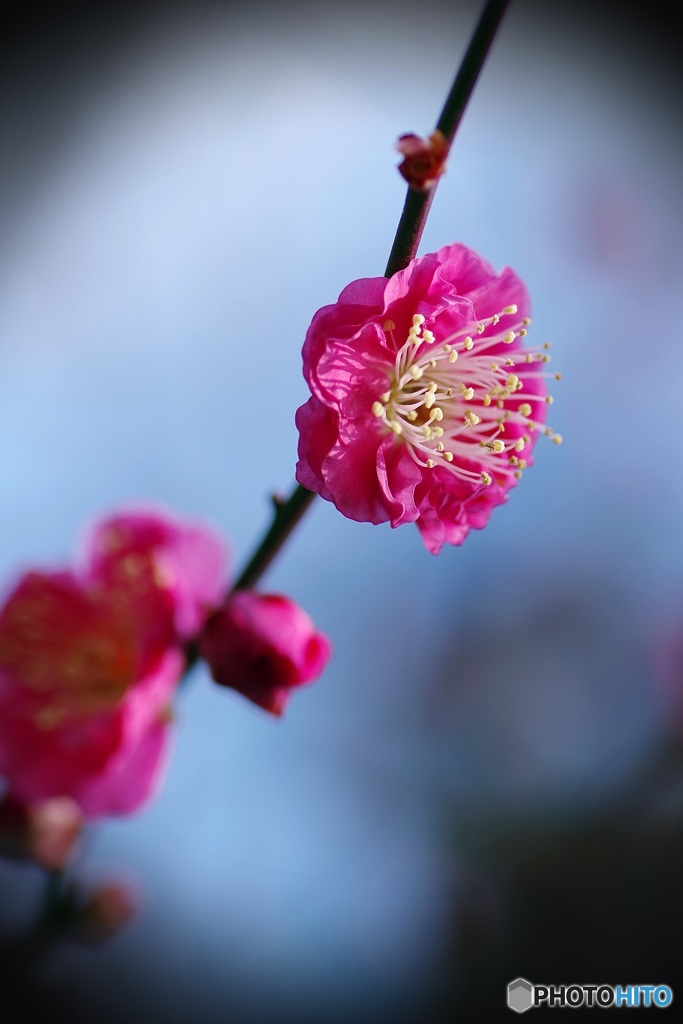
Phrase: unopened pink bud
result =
(264, 645)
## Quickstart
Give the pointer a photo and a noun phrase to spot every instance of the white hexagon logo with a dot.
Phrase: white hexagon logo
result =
(520, 995)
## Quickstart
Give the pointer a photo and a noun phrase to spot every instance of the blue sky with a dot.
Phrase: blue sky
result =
(218, 179)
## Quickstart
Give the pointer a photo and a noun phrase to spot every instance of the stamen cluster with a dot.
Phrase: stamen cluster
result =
(446, 396)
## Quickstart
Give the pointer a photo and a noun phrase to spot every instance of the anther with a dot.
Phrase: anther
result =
(548, 399)
(386, 397)
(519, 445)
(453, 356)
(416, 372)
(418, 320)
(395, 426)
(480, 328)
(509, 338)
(377, 409)
(557, 438)
(389, 325)
(448, 456)
(485, 478)
(436, 414)
(428, 337)
(432, 386)
(430, 463)
(468, 343)
(429, 399)
(525, 409)
(509, 310)
(498, 447)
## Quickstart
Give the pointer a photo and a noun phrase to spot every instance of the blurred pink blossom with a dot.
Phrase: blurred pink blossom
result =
(425, 403)
(146, 547)
(264, 646)
(667, 670)
(90, 660)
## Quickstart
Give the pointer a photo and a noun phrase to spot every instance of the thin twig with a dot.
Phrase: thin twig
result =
(418, 202)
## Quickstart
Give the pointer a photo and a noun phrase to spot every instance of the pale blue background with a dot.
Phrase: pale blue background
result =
(173, 220)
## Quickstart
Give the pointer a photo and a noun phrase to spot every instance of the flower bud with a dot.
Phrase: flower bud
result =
(263, 646)
(424, 159)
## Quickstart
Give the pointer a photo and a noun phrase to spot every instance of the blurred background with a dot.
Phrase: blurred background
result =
(487, 782)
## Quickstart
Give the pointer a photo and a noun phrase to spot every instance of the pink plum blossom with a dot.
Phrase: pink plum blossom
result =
(90, 661)
(263, 646)
(426, 402)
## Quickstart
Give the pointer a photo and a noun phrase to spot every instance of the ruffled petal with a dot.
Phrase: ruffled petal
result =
(350, 472)
(318, 428)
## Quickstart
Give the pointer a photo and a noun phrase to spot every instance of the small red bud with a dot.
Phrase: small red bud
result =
(424, 159)
(107, 908)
